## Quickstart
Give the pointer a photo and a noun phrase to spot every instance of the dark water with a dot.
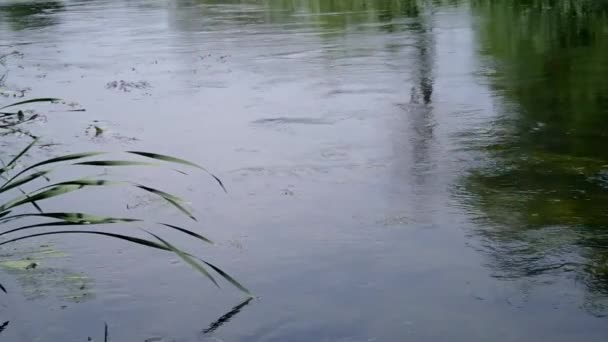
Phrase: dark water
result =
(398, 170)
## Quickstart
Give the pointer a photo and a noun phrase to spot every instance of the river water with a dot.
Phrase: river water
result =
(397, 170)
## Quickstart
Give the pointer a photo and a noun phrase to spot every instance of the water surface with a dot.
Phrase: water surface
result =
(397, 170)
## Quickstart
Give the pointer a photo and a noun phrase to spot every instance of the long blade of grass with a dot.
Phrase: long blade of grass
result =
(25, 180)
(57, 224)
(67, 157)
(99, 221)
(114, 163)
(172, 199)
(166, 158)
(87, 218)
(228, 278)
(46, 99)
(80, 218)
(132, 239)
(187, 258)
(86, 182)
(158, 192)
(2, 288)
(41, 225)
(46, 194)
(4, 213)
(189, 232)
(178, 161)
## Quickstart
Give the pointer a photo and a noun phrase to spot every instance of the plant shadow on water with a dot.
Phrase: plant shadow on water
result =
(215, 325)
(541, 194)
(226, 317)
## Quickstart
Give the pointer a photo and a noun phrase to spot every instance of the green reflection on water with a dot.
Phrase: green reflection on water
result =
(23, 15)
(330, 16)
(543, 188)
(541, 192)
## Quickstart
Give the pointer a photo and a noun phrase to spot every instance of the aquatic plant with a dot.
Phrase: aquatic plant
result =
(15, 201)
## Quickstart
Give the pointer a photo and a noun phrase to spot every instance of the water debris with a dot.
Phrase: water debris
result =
(15, 264)
(95, 131)
(399, 220)
(19, 93)
(127, 86)
(288, 191)
(34, 270)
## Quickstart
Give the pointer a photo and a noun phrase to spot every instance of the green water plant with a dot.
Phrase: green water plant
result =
(18, 207)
